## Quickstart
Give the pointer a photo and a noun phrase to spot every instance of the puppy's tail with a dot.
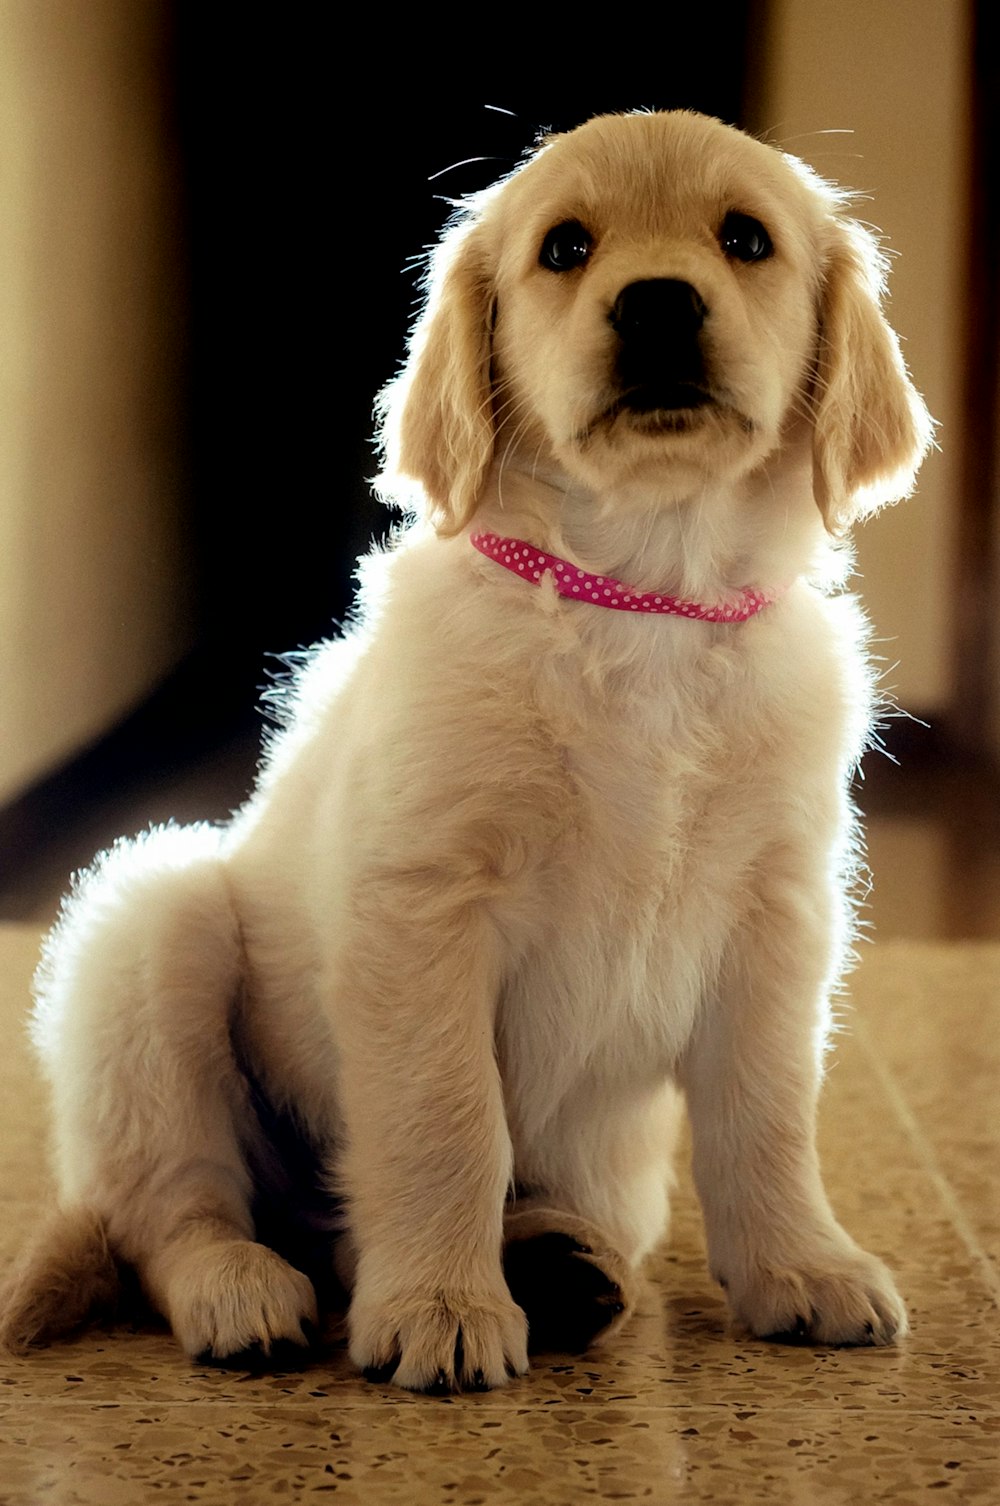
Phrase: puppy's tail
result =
(65, 1275)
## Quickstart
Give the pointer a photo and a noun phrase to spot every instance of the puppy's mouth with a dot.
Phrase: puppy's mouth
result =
(644, 397)
(667, 399)
(669, 407)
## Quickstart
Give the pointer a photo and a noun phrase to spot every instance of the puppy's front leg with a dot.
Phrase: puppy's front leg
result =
(428, 1158)
(752, 1077)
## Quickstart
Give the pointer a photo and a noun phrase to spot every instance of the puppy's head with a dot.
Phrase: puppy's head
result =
(650, 303)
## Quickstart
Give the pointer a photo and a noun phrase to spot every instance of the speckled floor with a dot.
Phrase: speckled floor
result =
(676, 1411)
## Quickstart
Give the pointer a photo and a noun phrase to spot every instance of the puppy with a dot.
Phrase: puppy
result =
(557, 832)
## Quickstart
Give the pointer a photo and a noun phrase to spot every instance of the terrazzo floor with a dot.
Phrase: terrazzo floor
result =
(676, 1410)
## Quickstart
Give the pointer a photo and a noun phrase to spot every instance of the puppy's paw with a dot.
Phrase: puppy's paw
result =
(844, 1297)
(239, 1304)
(440, 1341)
(571, 1284)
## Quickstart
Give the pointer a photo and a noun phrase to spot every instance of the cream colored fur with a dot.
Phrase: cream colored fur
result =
(518, 869)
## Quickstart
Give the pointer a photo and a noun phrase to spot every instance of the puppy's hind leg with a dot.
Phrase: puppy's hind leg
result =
(65, 1275)
(563, 1272)
(573, 1251)
(136, 997)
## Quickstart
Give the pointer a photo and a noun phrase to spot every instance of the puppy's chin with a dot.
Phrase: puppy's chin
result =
(676, 449)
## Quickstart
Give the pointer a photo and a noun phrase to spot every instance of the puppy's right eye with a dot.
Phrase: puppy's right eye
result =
(566, 246)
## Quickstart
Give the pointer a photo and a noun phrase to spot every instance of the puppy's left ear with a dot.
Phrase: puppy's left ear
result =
(871, 427)
(437, 416)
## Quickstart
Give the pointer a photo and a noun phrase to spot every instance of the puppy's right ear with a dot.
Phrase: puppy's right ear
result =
(437, 416)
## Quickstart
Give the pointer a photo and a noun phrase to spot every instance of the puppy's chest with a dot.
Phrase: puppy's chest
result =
(641, 889)
(653, 766)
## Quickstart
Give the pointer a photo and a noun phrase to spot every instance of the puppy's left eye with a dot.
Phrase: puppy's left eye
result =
(566, 246)
(744, 238)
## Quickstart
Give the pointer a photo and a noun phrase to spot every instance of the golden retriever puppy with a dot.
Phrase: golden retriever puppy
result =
(558, 833)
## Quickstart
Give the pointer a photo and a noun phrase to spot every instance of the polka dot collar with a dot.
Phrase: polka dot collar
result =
(602, 591)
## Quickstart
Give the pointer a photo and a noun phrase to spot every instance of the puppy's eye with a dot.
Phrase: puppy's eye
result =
(744, 238)
(566, 246)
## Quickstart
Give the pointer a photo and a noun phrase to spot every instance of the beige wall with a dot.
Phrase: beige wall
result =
(93, 605)
(894, 73)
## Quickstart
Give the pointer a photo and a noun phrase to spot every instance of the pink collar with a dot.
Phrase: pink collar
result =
(531, 564)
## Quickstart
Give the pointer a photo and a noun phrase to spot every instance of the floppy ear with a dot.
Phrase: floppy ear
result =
(871, 427)
(437, 417)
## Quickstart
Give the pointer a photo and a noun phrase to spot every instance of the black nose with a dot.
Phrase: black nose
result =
(659, 361)
(659, 311)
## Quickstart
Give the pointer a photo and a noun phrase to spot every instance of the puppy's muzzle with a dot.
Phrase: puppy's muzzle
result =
(660, 361)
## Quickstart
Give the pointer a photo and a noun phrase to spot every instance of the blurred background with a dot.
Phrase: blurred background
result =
(210, 216)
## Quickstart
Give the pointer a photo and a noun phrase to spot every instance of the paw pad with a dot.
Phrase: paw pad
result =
(567, 1296)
